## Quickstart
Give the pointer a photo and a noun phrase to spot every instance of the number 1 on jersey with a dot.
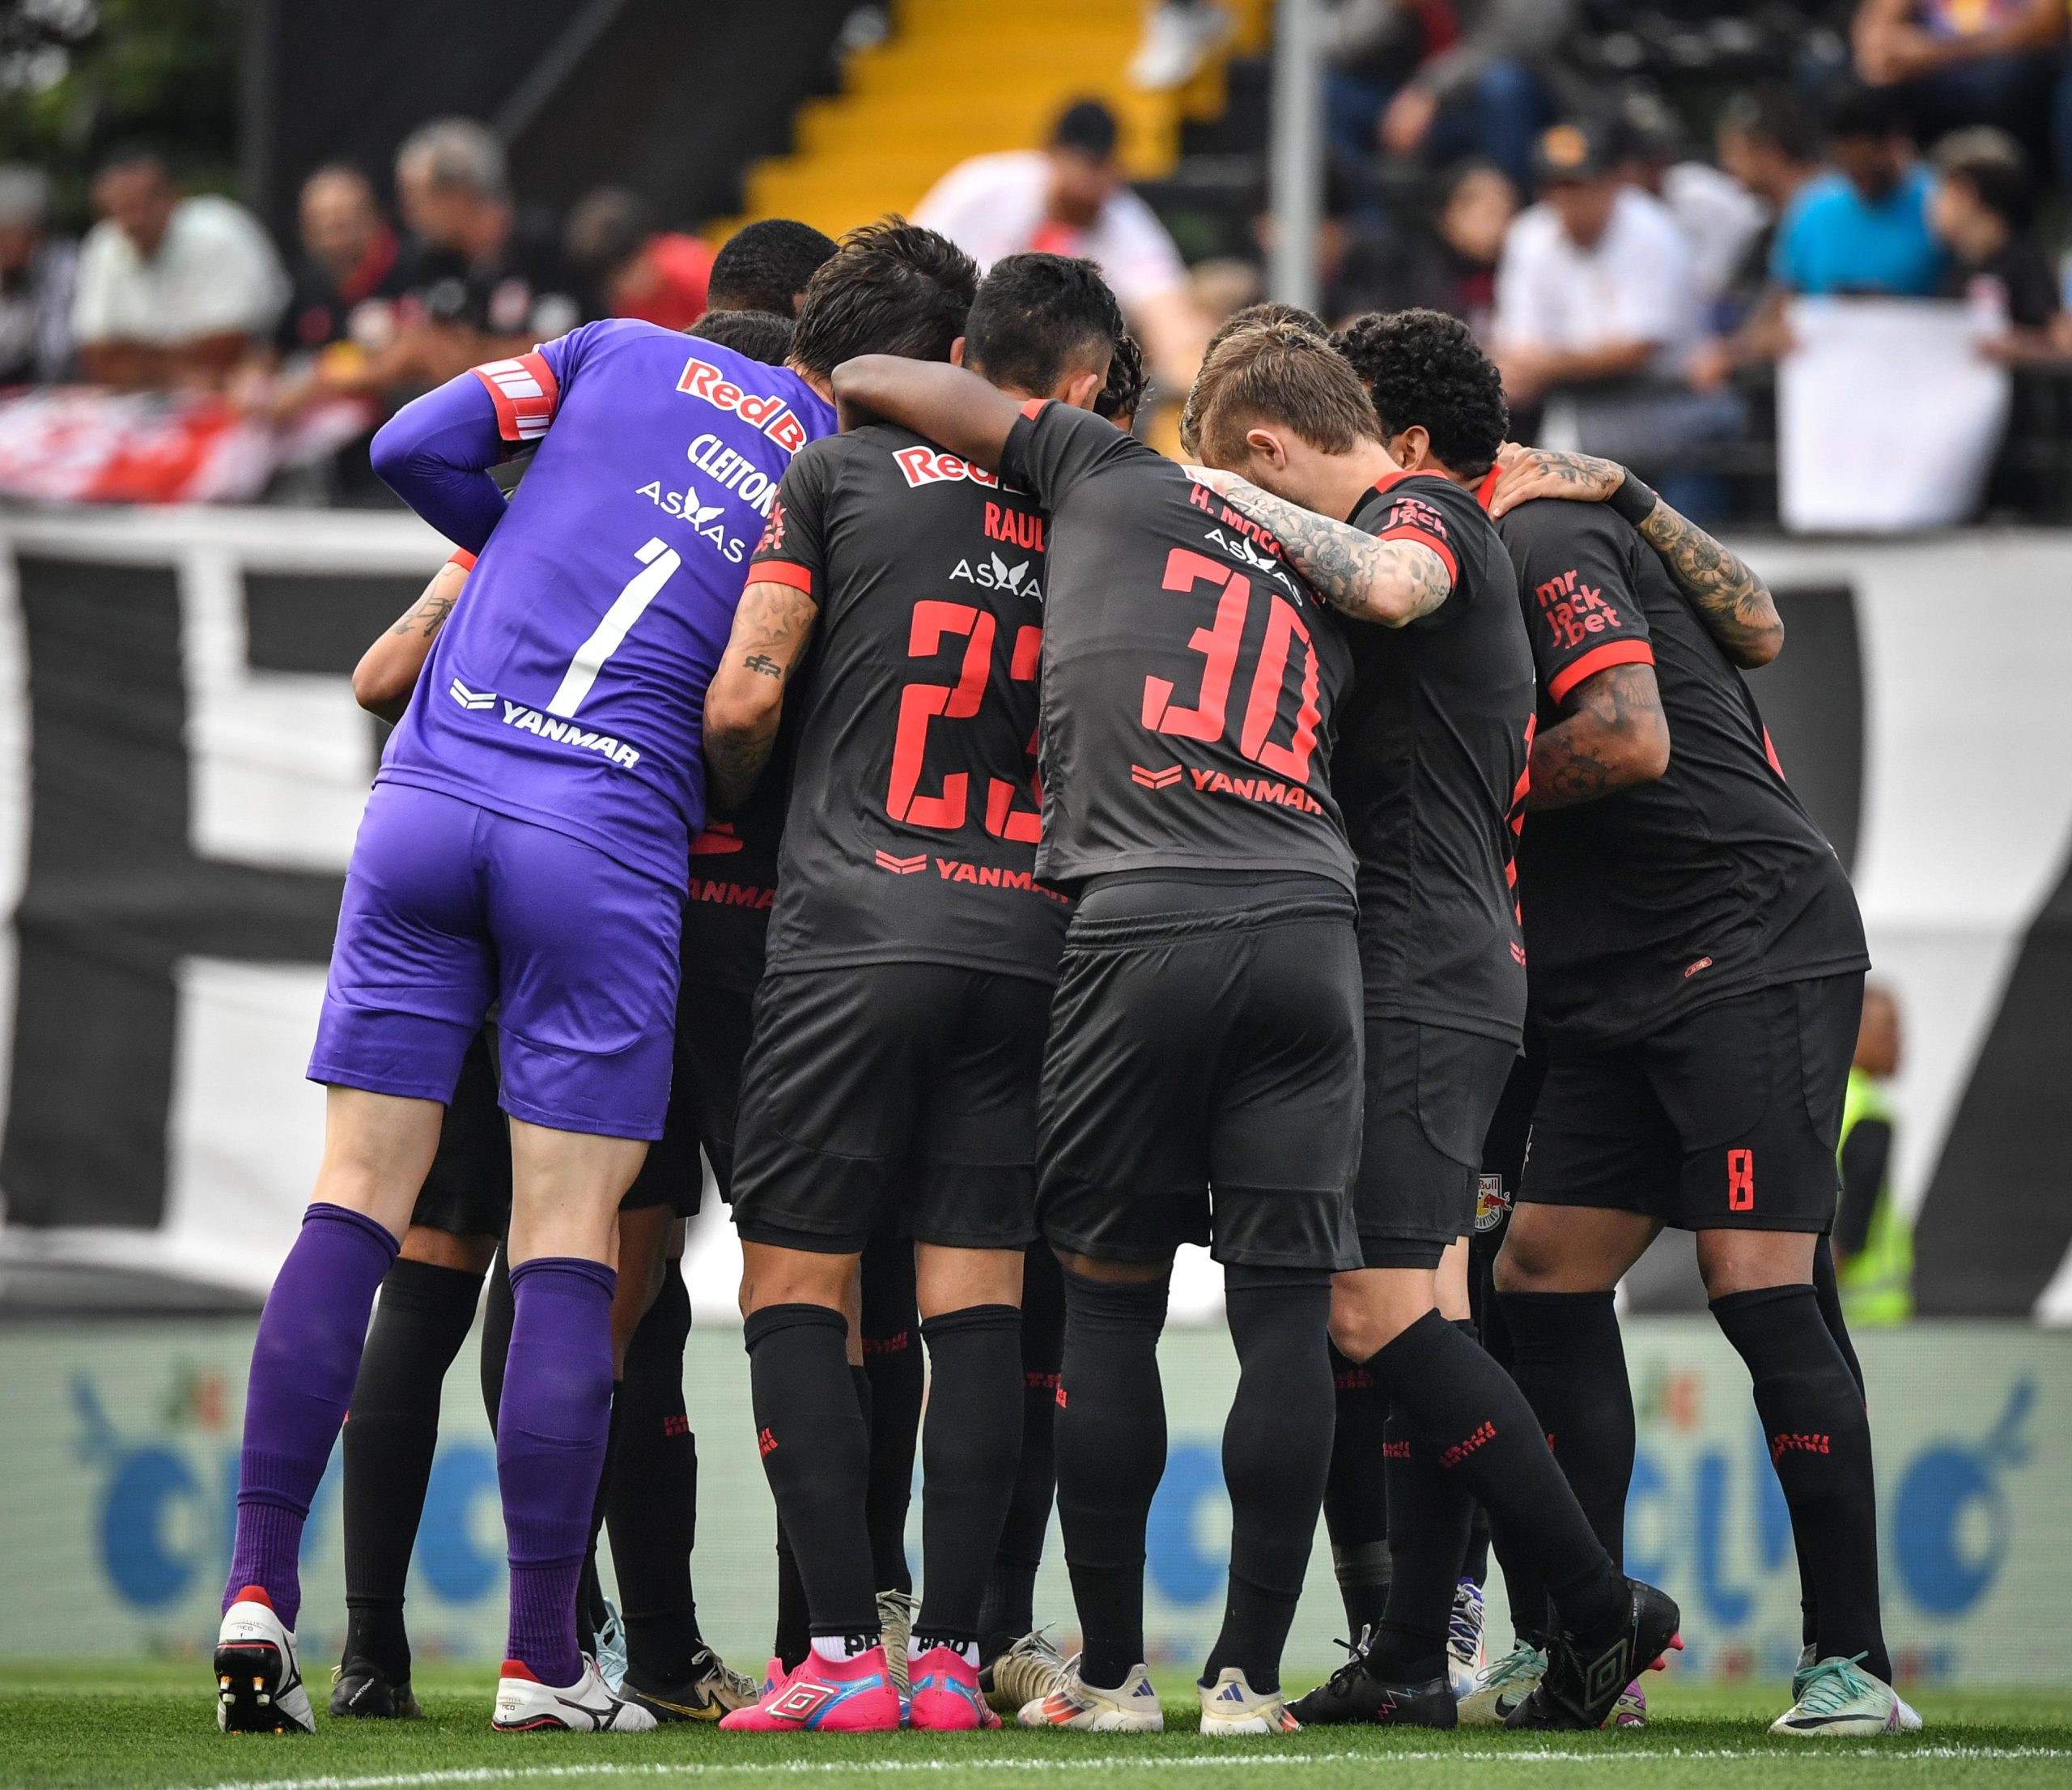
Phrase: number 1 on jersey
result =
(659, 562)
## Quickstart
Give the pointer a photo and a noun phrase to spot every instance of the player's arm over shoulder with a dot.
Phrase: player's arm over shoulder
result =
(1394, 579)
(956, 409)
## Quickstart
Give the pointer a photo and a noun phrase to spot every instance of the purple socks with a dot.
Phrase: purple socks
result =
(304, 1364)
(550, 1436)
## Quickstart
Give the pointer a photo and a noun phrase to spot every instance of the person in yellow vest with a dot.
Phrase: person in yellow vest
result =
(1873, 1239)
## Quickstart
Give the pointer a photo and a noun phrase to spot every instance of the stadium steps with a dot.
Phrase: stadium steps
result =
(954, 78)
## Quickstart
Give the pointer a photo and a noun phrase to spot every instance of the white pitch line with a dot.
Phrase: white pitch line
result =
(487, 1774)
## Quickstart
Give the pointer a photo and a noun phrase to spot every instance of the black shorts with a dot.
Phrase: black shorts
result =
(891, 1090)
(1431, 1092)
(1206, 1036)
(467, 1193)
(1726, 1119)
(713, 1033)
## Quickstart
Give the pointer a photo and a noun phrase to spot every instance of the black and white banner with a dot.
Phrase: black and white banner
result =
(182, 768)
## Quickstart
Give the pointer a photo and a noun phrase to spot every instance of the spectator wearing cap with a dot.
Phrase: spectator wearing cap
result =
(1862, 227)
(1069, 197)
(171, 291)
(1982, 211)
(1597, 310)
(1956, 63)
(635, 270)
(493, 280)
(36, 283)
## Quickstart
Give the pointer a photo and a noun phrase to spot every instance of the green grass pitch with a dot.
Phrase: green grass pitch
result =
(131, 1725)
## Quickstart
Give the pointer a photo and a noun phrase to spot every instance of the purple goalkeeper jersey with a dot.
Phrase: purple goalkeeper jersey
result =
(568, 690)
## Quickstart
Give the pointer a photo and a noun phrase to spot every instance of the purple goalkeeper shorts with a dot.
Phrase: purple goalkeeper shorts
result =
(449, 907)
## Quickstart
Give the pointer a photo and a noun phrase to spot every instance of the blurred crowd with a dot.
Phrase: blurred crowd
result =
(1630, 262)
(170, 291)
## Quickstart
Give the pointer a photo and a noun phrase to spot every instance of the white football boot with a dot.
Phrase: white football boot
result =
(1501, 1685)
(1131, 1707)
(1230, 1707)
(1839, 1699)
(1027, 1672)
(524, 1706)
(258, 1677)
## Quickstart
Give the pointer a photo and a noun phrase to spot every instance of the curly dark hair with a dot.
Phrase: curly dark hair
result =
(765, 265)
(892, 288)
(1121, 398)
(1424, 369)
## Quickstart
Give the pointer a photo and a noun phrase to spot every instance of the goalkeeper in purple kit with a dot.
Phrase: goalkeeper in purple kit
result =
(526, 847)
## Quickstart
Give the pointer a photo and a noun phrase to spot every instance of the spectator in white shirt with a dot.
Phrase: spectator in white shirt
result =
(36, 283)
(172, 291)
(1597, 311)
(1719, 217)
(1070, 199)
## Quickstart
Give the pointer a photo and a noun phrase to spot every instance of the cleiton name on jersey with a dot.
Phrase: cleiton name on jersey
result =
(765, 411)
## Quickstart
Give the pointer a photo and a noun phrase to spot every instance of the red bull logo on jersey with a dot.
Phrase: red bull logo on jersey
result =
(766, 411)
(922, 467)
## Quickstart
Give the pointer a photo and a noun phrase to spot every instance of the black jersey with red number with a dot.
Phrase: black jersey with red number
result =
(1190, 677)
(1708, 881)
(1431, 773)
(911, 832)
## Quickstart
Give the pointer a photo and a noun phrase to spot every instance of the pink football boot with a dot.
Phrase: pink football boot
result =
(855, 1697)
(946, 1696)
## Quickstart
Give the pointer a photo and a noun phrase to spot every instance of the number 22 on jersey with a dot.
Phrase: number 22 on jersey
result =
(920, 704)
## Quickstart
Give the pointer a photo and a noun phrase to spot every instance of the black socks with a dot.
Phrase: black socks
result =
(1276, 1456)
(1111, 1453)
(892, 1402)
(1488, 1438)
(1008, 1610)
(1570, 1362)
(650, 1494)
(1820, 1437)
(969, 1450)
(817, 1455)
(422, 1317)
(1430, 1515)
(1355, 1496)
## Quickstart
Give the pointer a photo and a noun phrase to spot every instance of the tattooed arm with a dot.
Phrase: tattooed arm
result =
(387, 671)
(1611, 736)
(745, 701)
(1735, 605)
(1391, 582)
